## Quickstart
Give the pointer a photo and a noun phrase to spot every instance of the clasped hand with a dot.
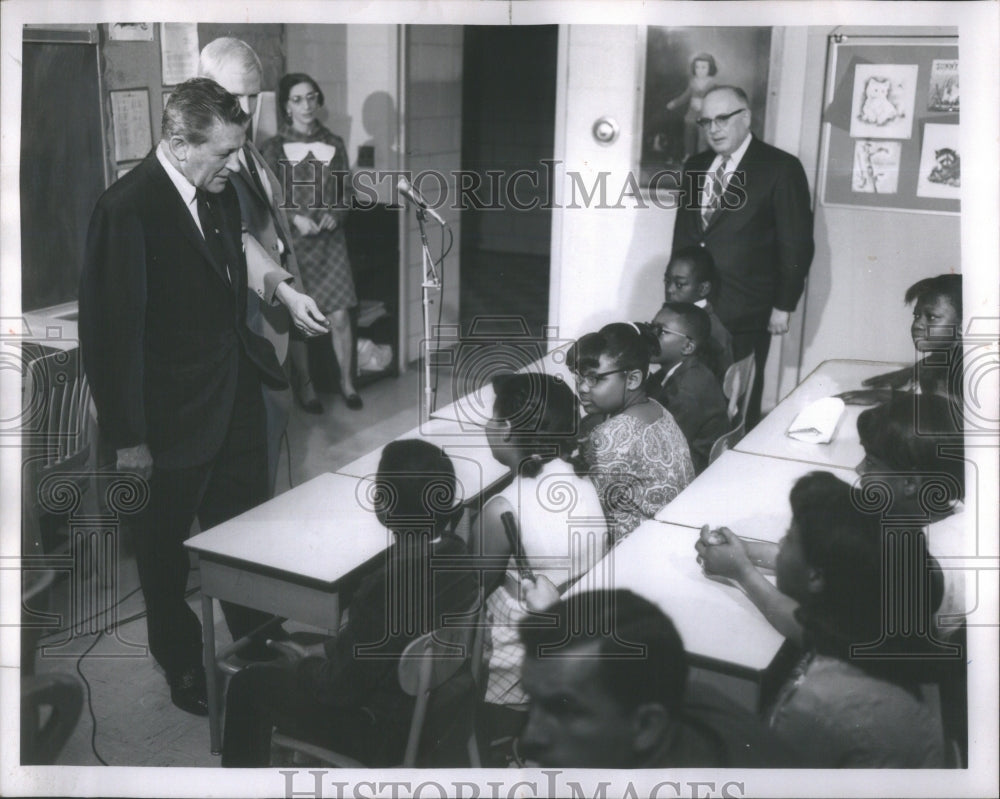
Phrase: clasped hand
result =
(727, 557)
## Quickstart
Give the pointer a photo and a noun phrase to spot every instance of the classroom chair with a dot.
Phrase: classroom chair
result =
(736, 386)
(427, 664)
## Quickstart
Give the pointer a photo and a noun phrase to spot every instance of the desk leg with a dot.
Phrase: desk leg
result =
(211, 674)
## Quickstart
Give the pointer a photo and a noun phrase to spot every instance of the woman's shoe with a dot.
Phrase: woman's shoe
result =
(353, 402)
(305, 396)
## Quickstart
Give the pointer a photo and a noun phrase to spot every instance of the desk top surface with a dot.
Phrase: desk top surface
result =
(476, 470)
(715, 620)
(746, 493)
(320, 530)
(827, 379)
(476, 407)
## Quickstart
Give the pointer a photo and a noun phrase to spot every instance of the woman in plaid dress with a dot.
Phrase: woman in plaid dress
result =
(318, 222)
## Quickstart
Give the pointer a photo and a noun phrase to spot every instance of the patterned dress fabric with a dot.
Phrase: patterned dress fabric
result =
(637, 467)
(313, 161)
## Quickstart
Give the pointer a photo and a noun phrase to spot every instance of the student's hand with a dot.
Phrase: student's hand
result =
(778, 325)
(138, 460)
(302, 308)
(305, 225)
(897, 379)
(540, 593)
(866, 396)
(327, 222)
(729, 559)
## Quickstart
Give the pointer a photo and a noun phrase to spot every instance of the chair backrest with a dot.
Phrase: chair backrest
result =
(426, 664)
(736, 385)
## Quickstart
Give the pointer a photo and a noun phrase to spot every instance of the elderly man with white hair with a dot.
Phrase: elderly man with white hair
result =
(273, 303)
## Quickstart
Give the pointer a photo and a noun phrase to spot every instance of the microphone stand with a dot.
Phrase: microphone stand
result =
(431, 281)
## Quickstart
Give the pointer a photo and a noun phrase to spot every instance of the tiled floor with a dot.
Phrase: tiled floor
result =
(136, 723)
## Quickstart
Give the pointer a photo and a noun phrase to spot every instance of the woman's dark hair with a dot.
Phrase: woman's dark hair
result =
(415, 487)
(543, 414)
(908, 433)
(285, 86)
(865, 573)
(948, 286)
(712, 68)
(629, 345)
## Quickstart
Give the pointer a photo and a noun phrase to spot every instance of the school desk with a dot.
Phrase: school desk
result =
(746, 493)
(477, 472)
(474, 406)
(721, 628)
(827, 379)
(287, 557)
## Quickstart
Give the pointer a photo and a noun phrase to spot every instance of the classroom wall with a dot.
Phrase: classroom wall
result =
(608, 262)
(432, 120)
(865, 259)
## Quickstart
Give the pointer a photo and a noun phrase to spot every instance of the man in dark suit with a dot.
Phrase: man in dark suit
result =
(748, 204)
(273, 300)
(175, 371)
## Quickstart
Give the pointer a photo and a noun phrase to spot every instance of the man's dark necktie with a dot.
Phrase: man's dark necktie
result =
(211, 229)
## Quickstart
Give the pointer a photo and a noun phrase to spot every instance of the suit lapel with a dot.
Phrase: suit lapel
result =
(174, 205)
(747, 167)
(265, 173)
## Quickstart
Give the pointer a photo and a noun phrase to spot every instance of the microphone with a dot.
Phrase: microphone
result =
(414, 196)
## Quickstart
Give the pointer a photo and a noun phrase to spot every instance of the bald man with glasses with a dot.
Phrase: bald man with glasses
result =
(748, 204)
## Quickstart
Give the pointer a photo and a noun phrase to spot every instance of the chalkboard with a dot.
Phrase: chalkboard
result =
(62, 167)
(890, 133)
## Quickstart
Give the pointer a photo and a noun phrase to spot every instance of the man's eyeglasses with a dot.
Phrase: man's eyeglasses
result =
(721, 120)
(591, 379)
(298, 99)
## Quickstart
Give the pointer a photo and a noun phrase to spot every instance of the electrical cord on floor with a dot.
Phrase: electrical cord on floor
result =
(41, 640)
(90, 704)
(86, 682)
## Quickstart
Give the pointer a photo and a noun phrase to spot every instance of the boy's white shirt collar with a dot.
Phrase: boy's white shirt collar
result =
(702, 303)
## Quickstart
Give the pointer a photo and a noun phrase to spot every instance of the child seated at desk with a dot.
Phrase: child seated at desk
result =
(346, 695)
(937, 338)
(686, 386)
(637, 454)
(838, 708)
(903, 466)
(562, 528)
(691, 277)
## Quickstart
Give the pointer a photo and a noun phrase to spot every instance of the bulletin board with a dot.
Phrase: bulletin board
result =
(891, 123)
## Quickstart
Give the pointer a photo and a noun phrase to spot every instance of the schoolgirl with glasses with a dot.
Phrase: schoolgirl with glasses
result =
(636, 453)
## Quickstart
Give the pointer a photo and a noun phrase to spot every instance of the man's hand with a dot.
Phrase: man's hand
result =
(302, 308)
(778, 325)
(305, 225)
(138, 460)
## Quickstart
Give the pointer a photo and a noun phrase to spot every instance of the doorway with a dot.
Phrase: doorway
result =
(508, 124)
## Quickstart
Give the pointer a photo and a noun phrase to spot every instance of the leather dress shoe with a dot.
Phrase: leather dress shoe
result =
(354, 402)
(187, 691)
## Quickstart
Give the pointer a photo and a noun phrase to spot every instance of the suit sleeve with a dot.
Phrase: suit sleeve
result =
(794, 223)
(263, 274)
(682, 230)
(112, 322)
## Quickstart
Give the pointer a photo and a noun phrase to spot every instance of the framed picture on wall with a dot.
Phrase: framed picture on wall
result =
(682, 64)
(890, 124)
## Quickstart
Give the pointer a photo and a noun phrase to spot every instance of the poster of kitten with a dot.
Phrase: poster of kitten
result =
(883, 101)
